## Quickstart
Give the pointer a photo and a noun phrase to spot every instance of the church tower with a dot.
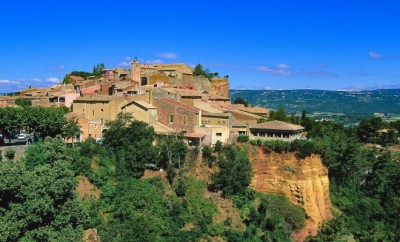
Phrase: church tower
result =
(135, 70)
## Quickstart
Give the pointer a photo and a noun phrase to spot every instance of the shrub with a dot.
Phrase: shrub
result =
(290, 169)
(277, 146)
(208, 156)
(243, 138)
(10, 154)
(235, 172)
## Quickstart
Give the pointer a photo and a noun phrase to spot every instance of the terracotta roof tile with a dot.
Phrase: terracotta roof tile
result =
(277, 125)
(179, 104)
(96, 98)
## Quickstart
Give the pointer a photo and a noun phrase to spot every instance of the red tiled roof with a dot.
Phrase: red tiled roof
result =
(277, 125)
(91, 90)
(194, 135)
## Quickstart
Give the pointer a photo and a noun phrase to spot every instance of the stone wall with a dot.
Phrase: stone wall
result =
(220, 87)
(183, 119)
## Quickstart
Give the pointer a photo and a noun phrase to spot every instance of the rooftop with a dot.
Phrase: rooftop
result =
(277, 125)
(224, 115)
(179, 104)
(145, 105)
(194, 135)
(91, 89)
(184, 92)
(219, 98)
(96, 98)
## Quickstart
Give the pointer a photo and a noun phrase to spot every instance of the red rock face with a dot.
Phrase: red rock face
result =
(220, 87)
(304, 182)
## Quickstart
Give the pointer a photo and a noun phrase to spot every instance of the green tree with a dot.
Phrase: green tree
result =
(132, 144)
(280, 115)
(235, 172)
(141, 213)
(23, 102)
(367, 130)
(66, 79)
(72, 129)
(10, 154)
(40, 205)
(240, 100)
(48, 152)
(198, 70)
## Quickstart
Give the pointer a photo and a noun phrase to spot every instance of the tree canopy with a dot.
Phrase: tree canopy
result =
(39, 204)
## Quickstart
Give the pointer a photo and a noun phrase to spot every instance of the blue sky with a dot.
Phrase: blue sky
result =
(281, 44)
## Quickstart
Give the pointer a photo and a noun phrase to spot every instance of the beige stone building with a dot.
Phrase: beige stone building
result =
(89, 128)
(176, 70)
(276, 130)
(98, 108)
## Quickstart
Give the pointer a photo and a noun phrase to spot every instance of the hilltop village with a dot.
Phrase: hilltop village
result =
(169, 97)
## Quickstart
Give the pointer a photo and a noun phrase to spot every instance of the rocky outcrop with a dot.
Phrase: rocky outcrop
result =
(90, 235)
(305, 182)
(219, 87)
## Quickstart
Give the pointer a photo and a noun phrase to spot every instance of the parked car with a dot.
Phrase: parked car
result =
(22, 136)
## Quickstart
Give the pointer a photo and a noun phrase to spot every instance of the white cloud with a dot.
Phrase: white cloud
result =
(57, 68)
(53, 80)
(36, 80)
(281, 70)
(9, 82)
(152, 62)
(124, 64)
(374, 55)
(168, 55)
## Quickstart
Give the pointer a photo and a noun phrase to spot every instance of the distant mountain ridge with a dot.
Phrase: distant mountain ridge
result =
(366, 102)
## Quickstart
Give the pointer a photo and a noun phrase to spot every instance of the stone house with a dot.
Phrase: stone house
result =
(101, 108)
(88, 128)
(179, 116)
(276, 130)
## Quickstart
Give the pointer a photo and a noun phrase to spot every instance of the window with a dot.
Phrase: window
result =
(171, 118)
(218, 134)
(184, 119)
(93, 112)
(95, 126)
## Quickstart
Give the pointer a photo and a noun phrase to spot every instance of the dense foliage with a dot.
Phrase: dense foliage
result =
(23, 102)
(235, 172)
(364, 181)
(240, 100)
(97, 72)
(38, 203)
(175, 204)
(33, 119)
(199, 71)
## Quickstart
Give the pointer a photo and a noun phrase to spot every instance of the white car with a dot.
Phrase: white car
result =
(22, 136)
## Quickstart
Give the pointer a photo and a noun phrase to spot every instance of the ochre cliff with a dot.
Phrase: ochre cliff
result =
(219, 87)
(305, 182)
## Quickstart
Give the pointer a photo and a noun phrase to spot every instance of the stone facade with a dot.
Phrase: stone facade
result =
(276, 130)
(176, 115)
(103, 108)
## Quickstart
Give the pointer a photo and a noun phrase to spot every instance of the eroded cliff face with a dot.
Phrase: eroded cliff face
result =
(219, 87)
(305, 182)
